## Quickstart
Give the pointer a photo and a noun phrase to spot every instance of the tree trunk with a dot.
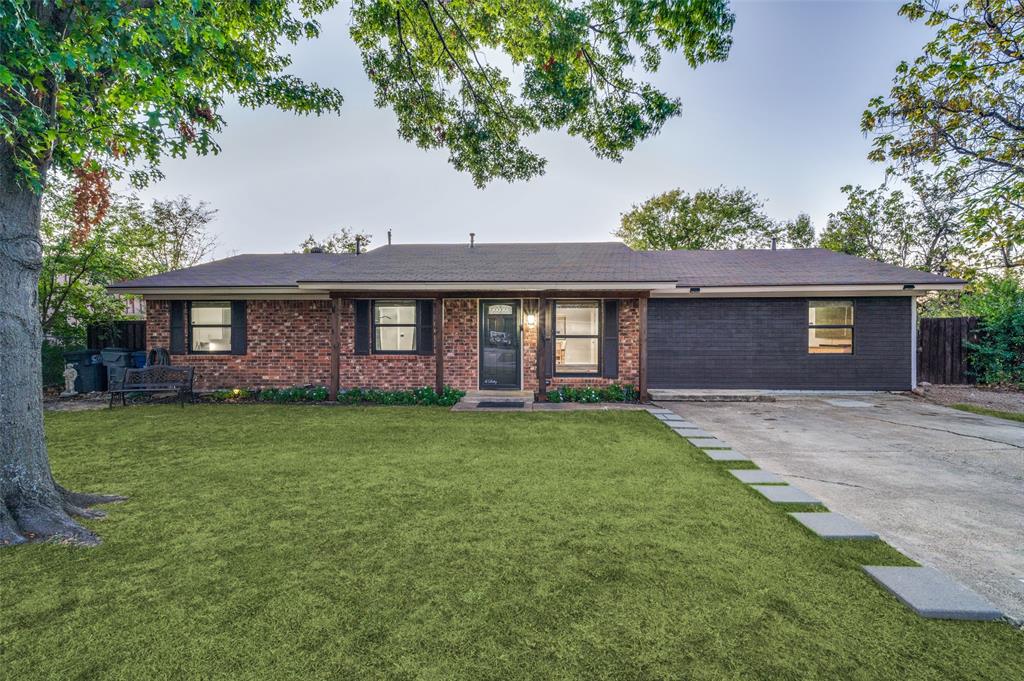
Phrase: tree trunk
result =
(32, 506)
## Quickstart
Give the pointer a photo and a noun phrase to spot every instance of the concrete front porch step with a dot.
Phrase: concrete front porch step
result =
(494, 400)
(497, 395)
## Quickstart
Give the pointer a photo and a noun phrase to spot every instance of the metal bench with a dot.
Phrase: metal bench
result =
(155, 379)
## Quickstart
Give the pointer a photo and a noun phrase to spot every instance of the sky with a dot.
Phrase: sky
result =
(781, 117)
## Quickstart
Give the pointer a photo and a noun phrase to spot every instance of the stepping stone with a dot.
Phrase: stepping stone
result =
(932, 594)
(756, 476)
(670, 417)
(725, 455)
(683, 428)
(785, 494)
(707, 442)
(691, 433)
(659, 410)
(833, 526)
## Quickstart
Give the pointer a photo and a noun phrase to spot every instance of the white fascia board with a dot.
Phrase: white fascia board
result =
(493, 286)
(224, 293)
(804, 291)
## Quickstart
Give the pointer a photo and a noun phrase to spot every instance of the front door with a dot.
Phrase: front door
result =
(500, 355)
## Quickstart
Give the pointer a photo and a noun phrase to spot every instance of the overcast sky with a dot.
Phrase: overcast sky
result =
(780, 117)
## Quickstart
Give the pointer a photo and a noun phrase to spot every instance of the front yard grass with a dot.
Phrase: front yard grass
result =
(985, 411)
(275, 542)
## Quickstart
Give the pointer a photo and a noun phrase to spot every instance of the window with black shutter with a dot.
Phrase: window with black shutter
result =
(210, 329)
(577, 337)
(395, 329)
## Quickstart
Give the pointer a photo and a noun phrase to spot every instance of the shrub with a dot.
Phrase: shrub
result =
(588, 394)
(998, 354)
(421, 396)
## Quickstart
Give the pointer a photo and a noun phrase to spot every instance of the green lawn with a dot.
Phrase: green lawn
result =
(275, 542)
(985, 411)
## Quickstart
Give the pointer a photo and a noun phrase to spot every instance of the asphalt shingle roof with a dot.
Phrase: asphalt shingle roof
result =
(784, 267)
(611, 262)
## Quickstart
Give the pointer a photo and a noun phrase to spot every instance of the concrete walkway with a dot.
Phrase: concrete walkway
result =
(943, 486)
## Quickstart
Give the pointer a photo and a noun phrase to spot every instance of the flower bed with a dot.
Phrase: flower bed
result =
(611, 393)
(419, 396)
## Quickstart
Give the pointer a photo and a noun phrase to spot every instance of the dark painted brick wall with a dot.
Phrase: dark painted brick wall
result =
(762, 343)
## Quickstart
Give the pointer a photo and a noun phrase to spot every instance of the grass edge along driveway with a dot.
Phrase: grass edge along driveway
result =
(315, 542)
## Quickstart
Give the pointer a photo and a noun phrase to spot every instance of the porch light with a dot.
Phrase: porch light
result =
(531, 319)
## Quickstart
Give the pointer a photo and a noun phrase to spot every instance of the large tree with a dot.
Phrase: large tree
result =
(181, 234)
(957, 112)
(104, 87)
(708, 219)
(77, 268)
(917, 228)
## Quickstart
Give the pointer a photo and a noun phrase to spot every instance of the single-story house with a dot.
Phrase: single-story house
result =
(541, 315)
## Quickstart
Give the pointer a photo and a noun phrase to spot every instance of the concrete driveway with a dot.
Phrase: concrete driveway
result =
(944, 487)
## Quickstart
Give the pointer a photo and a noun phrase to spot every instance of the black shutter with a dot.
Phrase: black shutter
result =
(362, 327)
(610, 346)
(424, 327)
(177, 327)
(238, 341)
(549, 340)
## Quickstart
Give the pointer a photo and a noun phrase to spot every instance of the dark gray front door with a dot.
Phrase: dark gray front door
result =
(500, 353)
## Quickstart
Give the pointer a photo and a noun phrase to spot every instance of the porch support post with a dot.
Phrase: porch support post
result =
(439, 345)
(335, 346)
(643, 350)
(542, 315)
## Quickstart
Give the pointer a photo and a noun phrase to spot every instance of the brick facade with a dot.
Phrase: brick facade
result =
(288, 343)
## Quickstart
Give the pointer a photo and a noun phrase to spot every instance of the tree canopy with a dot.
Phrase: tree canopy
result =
(76, 271)
(957, 112)
(708, 219)
(119, 84)
(181, 237)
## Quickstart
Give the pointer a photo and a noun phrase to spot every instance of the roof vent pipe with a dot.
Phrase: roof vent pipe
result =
(389, 237)
(359, 244)
(472, 239)
(775, 242)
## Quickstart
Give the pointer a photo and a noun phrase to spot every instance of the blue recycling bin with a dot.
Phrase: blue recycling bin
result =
(139, 359)
(116, 360)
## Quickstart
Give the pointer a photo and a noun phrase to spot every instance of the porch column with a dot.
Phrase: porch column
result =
(335, 346)
(642, 387)
(439, 345)
(542, 315)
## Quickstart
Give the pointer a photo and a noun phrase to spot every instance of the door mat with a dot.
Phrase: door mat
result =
(496, 404)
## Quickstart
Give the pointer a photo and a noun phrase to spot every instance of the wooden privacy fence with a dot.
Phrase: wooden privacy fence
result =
(129, 334)
(941, 349)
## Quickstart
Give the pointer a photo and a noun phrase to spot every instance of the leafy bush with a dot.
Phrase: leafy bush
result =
(998, 355)
(421, 396)
(296, 394)
(588, 394)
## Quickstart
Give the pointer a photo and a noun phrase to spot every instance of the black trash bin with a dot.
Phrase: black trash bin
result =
(116, 361)
(92, 376)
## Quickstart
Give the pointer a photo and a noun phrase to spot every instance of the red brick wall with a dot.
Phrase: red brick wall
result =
(460, 343)
(289, 344)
